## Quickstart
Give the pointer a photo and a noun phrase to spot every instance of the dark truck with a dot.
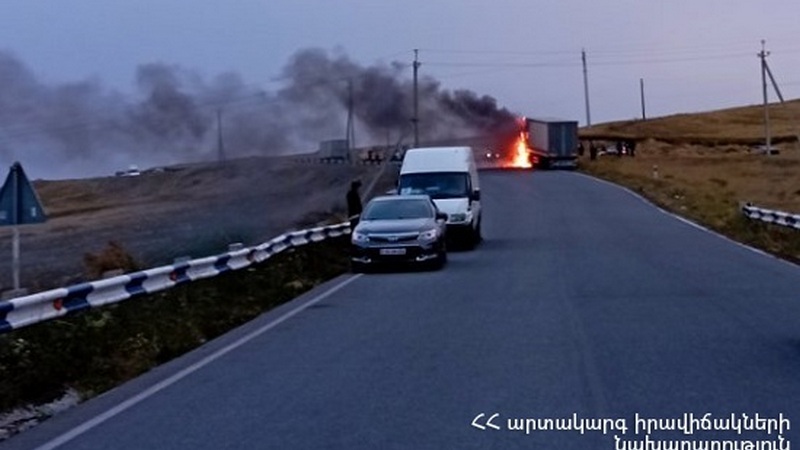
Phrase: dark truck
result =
(553, 143)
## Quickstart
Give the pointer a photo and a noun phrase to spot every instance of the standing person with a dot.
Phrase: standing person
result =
(592, 151)
(354, 203)
(632, 147)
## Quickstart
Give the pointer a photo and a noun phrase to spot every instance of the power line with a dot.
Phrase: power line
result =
(258, 98)
(500, 64)
(598, 62)
(621, 57)
(705, 48)
(500, 52)
(672, 60)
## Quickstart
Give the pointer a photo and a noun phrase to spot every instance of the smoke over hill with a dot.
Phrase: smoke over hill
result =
(84, 128)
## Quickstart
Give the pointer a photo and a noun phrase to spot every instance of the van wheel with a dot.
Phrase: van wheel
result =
(473, 238)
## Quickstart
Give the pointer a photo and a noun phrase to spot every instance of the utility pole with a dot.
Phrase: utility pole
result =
(780, 95)
(415, 118)
(641, 92)
(351, 131)
(763, 55)
(586, 88)
(220, 145)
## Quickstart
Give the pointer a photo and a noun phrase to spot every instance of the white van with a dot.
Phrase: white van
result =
(449, 176)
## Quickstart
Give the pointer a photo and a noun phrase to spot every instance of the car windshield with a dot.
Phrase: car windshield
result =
(398, 209)
(435, 184)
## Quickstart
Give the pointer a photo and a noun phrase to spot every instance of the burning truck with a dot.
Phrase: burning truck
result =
(543, 143)
(553, 143)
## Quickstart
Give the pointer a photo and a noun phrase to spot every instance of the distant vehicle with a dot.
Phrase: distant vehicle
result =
(607, 150)
(372, 156)
(334, 150)
(133, 171)
(397, 156)
(553, 143)
(762, 150)
(491, 155)
(399, 229)
(449, 176)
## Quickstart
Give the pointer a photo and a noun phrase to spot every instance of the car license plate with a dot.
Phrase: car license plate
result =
(393, 251)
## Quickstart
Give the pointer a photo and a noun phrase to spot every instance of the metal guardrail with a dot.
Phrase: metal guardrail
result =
(772, 216)
(30, 309)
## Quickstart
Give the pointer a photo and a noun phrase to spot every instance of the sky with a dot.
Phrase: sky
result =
(693, 55)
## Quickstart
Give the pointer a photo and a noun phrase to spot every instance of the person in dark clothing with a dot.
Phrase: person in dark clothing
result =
(354, 203)
(592, 151)
(632, 147)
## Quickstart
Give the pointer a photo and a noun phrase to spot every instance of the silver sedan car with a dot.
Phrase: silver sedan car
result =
(399, 229)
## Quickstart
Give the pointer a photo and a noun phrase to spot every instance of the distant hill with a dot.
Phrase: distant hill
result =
(742, 125)
(191, 209)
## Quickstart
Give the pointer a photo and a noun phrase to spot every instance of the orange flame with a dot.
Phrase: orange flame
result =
(520, 157)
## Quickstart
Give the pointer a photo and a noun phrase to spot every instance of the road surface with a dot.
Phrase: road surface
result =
(584, 302)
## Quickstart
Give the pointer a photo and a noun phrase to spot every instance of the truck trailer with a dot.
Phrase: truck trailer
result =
(553, 143)
(334, 150)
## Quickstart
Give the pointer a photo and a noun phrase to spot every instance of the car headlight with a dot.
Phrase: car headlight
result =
(359, 237)
(429, 235)
(458, 217)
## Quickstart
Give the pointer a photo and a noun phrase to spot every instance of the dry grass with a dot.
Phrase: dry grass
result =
(706, 169)
(744, 125)
(189, 210)
(113, 257)
(731, 173)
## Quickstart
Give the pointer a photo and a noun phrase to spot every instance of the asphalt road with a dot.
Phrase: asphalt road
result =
(583, 300)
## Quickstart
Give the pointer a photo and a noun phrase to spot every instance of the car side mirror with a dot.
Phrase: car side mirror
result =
(441, 216)
(475, 196)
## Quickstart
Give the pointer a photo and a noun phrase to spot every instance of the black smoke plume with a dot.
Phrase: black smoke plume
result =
(84, 128)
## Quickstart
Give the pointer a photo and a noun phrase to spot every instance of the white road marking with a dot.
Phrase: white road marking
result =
(152, 390)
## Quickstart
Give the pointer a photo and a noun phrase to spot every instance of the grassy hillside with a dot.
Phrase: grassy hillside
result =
(703, 166)
(743, 125)
(192, 210)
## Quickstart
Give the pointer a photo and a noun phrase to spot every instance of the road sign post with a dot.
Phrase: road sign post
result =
(19, 205)
(15, 257)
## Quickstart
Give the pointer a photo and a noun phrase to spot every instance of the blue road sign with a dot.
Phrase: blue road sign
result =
(19, 203)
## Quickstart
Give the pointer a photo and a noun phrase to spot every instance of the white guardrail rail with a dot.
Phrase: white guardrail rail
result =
(771, 216)
(30, 309)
